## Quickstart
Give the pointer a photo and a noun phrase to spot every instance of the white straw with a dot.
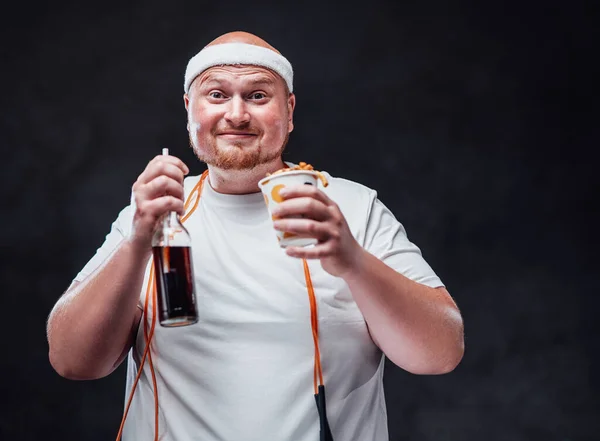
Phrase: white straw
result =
(165, 152)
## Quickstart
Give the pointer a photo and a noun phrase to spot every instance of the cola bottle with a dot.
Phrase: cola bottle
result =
(175, 293)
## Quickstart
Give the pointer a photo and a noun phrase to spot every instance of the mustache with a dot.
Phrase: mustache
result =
(246, 129)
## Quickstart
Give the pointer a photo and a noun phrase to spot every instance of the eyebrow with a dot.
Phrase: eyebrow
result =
(263, 80)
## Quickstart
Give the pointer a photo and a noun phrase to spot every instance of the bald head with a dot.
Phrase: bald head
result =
(237, 49)
(242, 37)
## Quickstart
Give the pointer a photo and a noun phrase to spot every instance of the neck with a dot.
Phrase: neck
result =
(241, 181)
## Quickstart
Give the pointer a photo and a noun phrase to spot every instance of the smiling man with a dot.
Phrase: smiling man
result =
(248, 370)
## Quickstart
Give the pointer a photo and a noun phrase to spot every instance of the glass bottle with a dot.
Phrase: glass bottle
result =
(171, 249)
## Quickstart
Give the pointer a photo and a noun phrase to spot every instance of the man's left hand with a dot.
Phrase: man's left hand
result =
(322, 219)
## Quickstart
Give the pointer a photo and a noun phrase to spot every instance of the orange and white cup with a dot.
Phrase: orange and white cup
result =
(271, 186)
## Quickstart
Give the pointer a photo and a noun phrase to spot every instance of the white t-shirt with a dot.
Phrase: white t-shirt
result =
(244, 372)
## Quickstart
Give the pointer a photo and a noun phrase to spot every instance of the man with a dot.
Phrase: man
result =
(245, 370)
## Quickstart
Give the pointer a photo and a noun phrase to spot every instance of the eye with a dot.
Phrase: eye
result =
(257, 96)
(216, 95)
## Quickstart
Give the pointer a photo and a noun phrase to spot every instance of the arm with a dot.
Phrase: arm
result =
(92, 326)
(417, 327)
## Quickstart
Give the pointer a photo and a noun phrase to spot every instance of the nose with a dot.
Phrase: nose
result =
(237, 112)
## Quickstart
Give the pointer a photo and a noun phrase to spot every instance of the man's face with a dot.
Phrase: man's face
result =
(239, 116)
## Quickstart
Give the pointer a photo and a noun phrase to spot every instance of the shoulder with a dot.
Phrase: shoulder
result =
(345, 191)
(354, 199)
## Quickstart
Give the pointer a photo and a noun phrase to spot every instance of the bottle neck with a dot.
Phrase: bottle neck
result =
(171, 219)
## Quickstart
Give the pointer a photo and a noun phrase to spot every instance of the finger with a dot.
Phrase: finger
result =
(160, 186)
(159, 168)
(316, 252)
(306, 206)
(174, 160)
(311, 191)
(304, 227)
(155, 208)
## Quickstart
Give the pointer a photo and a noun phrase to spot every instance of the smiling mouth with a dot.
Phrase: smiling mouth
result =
(236, 135)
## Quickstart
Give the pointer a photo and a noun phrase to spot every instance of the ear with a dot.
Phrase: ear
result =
(291, 103)
(186, 102)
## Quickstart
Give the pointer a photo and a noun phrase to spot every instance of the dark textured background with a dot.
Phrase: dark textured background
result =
(471, 121)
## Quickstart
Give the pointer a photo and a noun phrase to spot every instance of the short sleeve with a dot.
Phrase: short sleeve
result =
(118, 231)
(386, 239)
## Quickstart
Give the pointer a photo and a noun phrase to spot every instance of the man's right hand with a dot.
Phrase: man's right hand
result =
(158, 190)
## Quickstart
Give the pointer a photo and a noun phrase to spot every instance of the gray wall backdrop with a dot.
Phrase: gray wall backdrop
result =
(470, 120)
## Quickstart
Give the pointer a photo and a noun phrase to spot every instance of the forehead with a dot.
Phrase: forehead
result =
(239, 74)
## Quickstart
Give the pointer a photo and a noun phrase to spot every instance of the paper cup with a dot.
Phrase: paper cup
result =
(271, 186)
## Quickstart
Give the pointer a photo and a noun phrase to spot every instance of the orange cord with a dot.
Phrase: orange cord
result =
(314, 322)
(148, 335)
(151, 287)
(146, 352)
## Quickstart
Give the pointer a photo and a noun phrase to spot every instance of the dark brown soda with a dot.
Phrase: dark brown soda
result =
(174, 286)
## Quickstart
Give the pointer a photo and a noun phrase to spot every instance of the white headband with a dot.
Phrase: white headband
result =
(238, 53)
